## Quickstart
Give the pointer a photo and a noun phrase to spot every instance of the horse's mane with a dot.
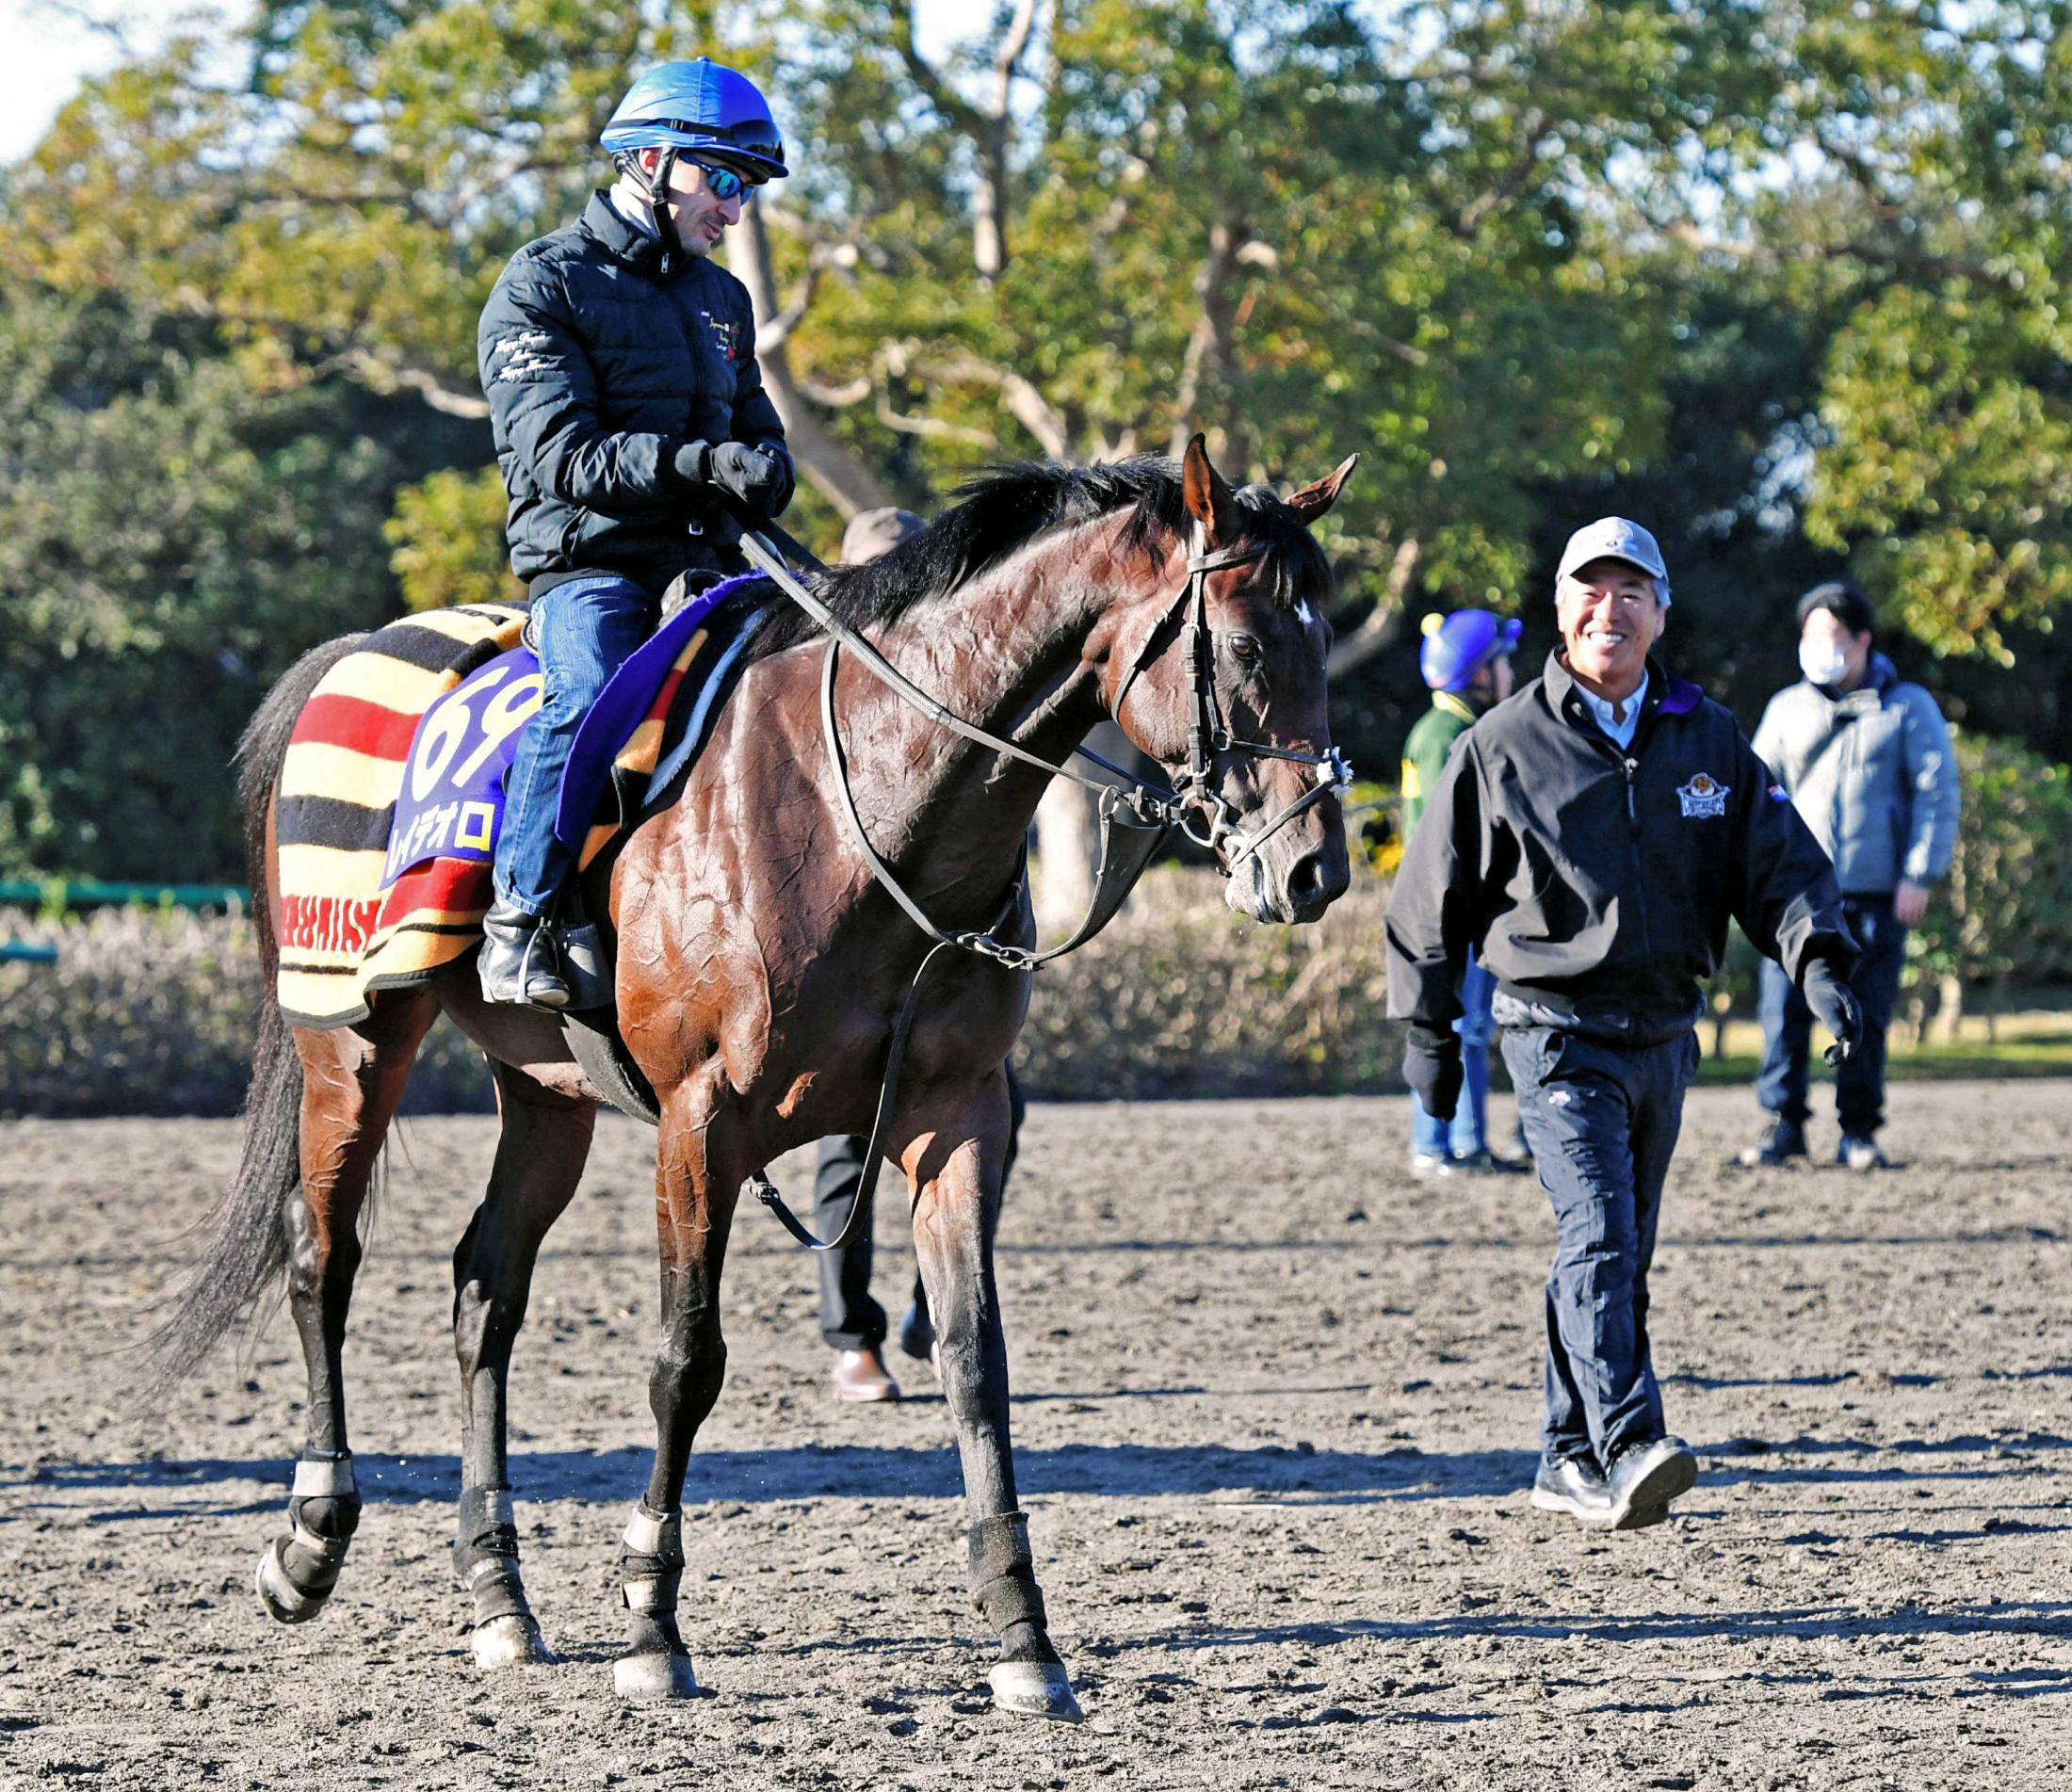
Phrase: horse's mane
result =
(1008, 506)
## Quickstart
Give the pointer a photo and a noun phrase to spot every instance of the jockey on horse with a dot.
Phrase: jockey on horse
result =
(630, 418)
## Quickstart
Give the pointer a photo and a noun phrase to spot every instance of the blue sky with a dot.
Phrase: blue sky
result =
(52, 49)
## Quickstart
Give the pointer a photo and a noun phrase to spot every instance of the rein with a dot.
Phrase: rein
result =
(1135, 817)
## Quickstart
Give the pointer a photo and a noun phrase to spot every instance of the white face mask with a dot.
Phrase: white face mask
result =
(1822, 665)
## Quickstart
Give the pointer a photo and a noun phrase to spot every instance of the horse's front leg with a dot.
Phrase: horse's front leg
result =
(954, 1150)
(698, 1175)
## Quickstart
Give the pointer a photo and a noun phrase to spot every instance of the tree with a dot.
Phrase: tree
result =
(1790, 273)
(172, 535)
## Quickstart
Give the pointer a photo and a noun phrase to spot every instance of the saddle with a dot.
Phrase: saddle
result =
(391, 796)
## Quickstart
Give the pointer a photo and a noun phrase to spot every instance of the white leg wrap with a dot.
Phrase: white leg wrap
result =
(654, 1533)
(324, 1480)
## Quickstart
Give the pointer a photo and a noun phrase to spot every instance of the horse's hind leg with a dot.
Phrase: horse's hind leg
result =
(539, 1160)
(352, 1078)
(955, 1156)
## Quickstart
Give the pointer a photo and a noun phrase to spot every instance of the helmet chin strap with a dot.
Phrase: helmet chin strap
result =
(657, 186)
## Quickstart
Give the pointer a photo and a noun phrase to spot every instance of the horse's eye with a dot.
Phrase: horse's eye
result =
(1245, 649)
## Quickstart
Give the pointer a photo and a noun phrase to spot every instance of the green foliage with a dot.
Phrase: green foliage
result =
(447, 534)
(2007, 902)
(154, 1012)
(1784, 280)
(1182, 998)
(2006, 905)
(171, 536)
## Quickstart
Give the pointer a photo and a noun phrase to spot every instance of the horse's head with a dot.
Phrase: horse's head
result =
(1216, 669)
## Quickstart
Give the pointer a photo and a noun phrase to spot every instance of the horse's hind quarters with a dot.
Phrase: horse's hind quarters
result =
(1034, 1689)
(644, 1679)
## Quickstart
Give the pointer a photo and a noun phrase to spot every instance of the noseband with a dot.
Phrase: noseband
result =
(1208, 735)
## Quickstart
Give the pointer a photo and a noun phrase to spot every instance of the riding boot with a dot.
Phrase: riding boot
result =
(519, 963)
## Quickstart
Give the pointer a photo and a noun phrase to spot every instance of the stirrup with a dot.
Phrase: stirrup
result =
(534, 980)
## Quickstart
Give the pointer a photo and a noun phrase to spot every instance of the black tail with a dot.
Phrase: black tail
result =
(248, 1240)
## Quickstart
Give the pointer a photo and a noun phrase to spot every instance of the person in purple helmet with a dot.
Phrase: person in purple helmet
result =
(634, 433)
(1465, 660)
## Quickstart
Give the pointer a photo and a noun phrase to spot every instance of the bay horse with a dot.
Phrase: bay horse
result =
(760, 963)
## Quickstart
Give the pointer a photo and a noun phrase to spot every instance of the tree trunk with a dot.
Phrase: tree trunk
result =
(1068, 838)
(837, 475)
(1062, 873)
(1948, 1009)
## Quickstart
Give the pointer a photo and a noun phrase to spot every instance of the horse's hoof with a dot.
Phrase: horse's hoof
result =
(1034, 1689)
(284, 1601)
(510, 1641)
(645, 1678)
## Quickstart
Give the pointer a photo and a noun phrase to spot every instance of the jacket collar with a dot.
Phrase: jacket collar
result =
(1665, 695)
(1880, 675)
(1448, 703)
(622, 242)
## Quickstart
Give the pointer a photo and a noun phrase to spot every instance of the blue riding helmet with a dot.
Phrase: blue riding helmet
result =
(1460, 644)
(703, 108)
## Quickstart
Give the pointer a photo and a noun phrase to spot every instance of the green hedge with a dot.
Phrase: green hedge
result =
(153, 1013)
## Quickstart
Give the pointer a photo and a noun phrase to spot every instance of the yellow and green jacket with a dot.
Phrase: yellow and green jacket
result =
(1425, 751)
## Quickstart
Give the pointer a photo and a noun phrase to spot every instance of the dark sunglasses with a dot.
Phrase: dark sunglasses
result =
(721, 182)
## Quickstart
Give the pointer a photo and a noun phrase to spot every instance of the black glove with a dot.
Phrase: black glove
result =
(1831, 1000)
(758, 480)
(1431, 1067)
(787, 475)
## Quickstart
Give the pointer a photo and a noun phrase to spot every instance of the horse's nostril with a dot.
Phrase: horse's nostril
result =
(1313, 881)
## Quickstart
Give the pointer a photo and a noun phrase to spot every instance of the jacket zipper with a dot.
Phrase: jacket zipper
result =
(1633, 842)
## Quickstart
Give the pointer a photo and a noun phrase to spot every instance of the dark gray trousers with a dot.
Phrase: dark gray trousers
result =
(851, 1317)
(1602, 1120)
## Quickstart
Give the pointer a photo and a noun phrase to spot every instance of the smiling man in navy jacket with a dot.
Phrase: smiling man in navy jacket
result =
(1588, 842)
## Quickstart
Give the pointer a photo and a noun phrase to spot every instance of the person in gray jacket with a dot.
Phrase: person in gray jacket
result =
(1868, 761)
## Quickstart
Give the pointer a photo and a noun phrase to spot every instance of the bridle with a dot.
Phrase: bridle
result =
(1208, 735)
(1135, 817)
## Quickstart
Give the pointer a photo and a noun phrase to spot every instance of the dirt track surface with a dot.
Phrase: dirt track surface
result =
(1274, 1406)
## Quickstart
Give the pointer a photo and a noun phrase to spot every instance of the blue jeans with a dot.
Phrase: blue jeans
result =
(1469, 1131)
(1787, 1024)
(1602, 1120)
(585, 629)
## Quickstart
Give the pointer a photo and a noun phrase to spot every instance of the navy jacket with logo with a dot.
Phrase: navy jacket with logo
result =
(1596, 883)
(600, 356)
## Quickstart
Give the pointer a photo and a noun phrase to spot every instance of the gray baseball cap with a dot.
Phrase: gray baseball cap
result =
(871, 533)
(1612, 537)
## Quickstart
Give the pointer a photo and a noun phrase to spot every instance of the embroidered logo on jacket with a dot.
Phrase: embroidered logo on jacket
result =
(726, 332)
(1702, 797)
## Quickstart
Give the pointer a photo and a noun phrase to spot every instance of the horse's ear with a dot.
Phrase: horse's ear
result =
(1312, 501)
(1209, 499)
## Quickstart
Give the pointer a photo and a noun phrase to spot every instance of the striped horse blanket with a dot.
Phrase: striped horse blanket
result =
(391, 795)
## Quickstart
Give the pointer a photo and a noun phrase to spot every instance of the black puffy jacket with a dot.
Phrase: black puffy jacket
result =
(601, 356)
(1596, 884)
